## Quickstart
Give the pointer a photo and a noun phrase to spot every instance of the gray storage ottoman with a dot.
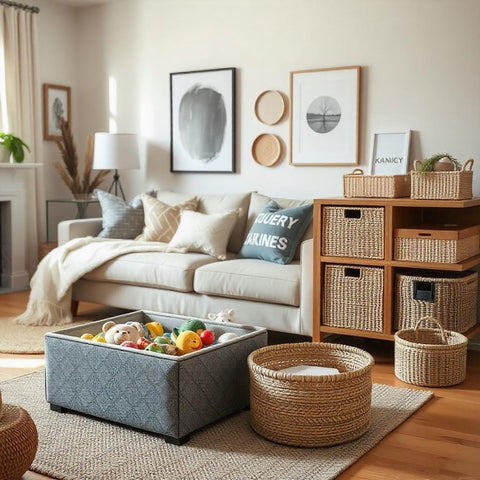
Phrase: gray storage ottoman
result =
(164, 394)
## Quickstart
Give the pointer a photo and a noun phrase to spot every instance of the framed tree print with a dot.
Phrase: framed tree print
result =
(56, 104)
(202, 116)
(324, 120)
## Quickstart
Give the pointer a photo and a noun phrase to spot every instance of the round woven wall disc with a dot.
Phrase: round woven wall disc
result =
(266, 149)
(270, 107)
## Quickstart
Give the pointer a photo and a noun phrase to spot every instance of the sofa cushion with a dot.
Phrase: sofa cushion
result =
(250, 279)
(119, 218)
(258, 202)
(162, 219)
(172, 271)
(217, 203)
(200, 232)
(276, 233)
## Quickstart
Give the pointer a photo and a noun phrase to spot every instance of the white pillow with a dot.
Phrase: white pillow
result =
(200, 232)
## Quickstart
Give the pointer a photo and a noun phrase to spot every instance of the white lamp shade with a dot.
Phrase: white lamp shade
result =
(115, 151)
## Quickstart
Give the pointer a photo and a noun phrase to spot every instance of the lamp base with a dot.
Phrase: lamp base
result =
(116, 185)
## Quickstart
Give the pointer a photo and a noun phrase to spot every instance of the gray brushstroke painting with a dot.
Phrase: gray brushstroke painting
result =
(202, 118)
(323, 114)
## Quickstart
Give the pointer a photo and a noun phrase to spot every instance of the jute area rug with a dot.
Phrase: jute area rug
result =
(77, 447)
(28, 339)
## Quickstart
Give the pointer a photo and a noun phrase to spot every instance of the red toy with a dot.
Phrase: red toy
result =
(207, 337)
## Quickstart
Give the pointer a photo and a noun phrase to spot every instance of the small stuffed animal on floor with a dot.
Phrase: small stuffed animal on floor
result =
(223, 316)
(117, 333)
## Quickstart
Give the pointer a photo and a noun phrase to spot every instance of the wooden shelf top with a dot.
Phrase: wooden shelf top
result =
(373, 262)
(399, 202)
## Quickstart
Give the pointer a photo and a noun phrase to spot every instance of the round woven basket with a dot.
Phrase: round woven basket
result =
(431, 357)
(305, 410)
(18, 442)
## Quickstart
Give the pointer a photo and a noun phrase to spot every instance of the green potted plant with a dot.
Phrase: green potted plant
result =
(14, 145)
(440, 162)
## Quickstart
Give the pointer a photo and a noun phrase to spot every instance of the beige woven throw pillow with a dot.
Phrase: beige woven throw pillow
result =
(161, 219)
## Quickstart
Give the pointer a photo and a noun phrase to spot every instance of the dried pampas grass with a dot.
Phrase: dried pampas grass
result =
(68, 170)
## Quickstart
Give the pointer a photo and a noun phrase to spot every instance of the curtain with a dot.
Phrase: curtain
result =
(19, 100)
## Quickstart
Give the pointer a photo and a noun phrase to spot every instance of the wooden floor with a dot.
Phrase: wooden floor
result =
(440, 441)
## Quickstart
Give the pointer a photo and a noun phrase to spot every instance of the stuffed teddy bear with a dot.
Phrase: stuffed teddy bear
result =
(223, 316)
(117, 333)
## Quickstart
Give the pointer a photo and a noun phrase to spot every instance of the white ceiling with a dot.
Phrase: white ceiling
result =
(83, 3)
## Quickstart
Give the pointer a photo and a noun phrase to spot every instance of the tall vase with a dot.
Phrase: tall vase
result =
(81, 200)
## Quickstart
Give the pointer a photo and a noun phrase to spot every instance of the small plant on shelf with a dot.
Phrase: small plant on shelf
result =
(440, 162)
(14, 145)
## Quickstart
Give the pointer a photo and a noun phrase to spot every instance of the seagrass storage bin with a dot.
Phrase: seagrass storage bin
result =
(353, 297)
(450, 185)
(436, 244)
(450, 297)
(306, 410)
(431, 357)
(356, 184)
(353, 231)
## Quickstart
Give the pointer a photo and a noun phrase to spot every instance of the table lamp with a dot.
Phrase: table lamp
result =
(115, 151)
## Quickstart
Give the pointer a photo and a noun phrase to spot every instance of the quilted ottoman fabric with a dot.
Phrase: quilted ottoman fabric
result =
(171, 396)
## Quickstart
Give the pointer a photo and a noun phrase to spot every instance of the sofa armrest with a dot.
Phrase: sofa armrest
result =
(306, 287)
(78, 228)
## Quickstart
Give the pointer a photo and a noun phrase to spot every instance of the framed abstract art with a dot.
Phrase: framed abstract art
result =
(202, 116)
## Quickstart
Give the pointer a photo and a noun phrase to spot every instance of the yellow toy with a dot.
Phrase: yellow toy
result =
(155, 329)
(188, 342)
(87, 336)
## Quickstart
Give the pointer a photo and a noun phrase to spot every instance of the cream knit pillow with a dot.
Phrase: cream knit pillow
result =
(200, 232)
(161, 219)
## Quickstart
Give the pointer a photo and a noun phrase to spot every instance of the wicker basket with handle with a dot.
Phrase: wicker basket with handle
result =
(353, 297)
(343, 226)
(356, 184)
(450, 297)
(449, 185)
(431, 357)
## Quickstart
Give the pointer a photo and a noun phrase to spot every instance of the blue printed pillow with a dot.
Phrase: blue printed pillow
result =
(276, 233)
(119, 218)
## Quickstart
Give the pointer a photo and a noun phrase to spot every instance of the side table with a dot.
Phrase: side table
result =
(82, 206)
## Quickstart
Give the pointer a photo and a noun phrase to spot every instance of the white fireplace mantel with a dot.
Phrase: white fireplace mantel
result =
(17, 189)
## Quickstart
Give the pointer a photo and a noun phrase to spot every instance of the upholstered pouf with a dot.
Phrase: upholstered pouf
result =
(18, 442)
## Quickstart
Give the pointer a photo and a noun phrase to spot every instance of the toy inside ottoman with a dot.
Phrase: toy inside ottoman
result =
(165, 394)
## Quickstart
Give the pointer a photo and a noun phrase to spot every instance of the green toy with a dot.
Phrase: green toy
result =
(193, 325)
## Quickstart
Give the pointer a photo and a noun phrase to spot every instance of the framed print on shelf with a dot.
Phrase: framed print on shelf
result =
(56, 104)
(202, 116)
(324, 120)
(390, 153)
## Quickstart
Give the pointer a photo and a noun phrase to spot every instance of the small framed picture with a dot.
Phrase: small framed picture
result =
(390, 153)
(324, 120)
(56, 104)
(202, 134)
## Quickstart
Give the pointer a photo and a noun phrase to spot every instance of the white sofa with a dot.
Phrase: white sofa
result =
(271, 295)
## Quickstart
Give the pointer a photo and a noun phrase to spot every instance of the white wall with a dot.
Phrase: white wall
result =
(57, 51)
(420, 71)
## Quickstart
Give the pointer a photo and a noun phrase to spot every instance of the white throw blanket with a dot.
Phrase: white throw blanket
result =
(51, 285)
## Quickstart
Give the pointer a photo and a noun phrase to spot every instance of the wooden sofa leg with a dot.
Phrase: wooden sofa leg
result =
(74, 307)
